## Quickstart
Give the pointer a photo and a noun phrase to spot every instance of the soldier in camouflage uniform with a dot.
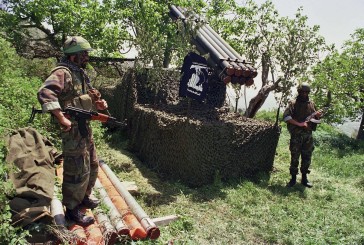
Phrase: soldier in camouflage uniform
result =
(301, 142)
(69, 85)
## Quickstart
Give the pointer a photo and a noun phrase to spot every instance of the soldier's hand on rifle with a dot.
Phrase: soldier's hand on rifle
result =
(101, 105)
(303, 124)
(318, 113)
(65, 123)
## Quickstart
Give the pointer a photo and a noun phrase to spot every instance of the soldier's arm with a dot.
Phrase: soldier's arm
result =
(66, 124)
(287, 117)
(49, 92)
(51, 89)
(299, 124)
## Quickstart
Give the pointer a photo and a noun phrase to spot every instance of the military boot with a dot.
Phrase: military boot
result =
(292, 182)
(79, 217)
(90, 203)
(305, 181)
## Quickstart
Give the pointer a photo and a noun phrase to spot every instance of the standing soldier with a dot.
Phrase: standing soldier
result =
(69, 85)
(301, 142)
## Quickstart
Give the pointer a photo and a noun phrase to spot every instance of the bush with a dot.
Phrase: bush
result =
(18, 95)
(329, 138)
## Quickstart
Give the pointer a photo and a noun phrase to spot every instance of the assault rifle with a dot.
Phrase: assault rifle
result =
(81, 116)
(311, 118)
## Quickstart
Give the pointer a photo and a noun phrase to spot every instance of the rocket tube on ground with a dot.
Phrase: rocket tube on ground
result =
(80, 234)
(57, 210)
(93, 232)
(114, 214)
(107, 229)
(136, 231)
(152, 230)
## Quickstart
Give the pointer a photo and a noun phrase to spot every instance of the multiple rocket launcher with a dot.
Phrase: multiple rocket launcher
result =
(229, 65)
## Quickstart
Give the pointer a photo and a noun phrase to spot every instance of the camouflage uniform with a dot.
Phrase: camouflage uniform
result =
(67, 86)
(301, 142)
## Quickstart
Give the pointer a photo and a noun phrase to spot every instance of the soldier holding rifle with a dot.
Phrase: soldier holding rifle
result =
(299, 116)
(69, 86)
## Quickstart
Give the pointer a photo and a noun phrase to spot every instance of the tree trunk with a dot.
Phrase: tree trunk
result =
(236, 104)
(257, 102)
(167, 53)
(360, 135)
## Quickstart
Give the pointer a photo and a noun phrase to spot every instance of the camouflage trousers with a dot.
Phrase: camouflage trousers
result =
(80, 167)
(301, 145)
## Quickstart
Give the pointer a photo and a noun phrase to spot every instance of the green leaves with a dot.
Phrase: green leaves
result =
(97, 21)
(283, 48)
(18, 94)
(339, 78)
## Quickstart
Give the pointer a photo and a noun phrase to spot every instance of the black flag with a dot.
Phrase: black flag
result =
(194, 81)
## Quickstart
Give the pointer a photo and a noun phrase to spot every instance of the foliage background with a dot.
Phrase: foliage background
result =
(17, 96)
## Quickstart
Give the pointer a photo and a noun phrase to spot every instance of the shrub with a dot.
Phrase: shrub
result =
(18, 95)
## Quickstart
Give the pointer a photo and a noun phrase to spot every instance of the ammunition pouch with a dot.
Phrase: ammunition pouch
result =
(83, 102)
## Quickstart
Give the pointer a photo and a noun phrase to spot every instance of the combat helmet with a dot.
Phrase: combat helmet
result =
(75, 45)
(305, 87)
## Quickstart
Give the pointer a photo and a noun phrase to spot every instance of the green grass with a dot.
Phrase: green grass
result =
(262, 210)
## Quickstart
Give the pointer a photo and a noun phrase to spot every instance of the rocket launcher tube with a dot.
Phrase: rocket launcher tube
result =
(233, 52)
(152, 230)
(247, 70)
(215, 55)
(136, 231)
(115, 216)
(222, 52)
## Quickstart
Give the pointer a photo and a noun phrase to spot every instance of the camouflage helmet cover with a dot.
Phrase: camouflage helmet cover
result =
(76, 44)
(305, 87)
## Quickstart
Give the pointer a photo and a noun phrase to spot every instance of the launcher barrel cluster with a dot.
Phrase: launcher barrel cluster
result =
(230, 66)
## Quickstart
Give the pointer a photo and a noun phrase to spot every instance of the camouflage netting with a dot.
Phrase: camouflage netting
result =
(189, 141)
